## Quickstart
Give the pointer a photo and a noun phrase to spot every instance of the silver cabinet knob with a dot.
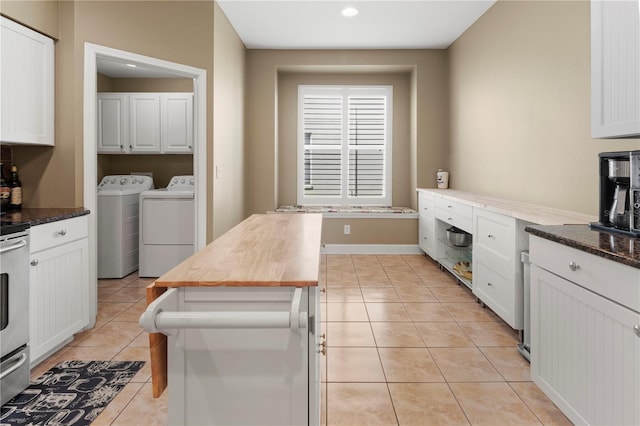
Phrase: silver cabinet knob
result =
(490, 236)
(34, 262)
(636, 329)
(574, 266)
(490, 284)
(62, 232)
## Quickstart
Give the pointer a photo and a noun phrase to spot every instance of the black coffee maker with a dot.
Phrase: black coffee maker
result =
(617, 190)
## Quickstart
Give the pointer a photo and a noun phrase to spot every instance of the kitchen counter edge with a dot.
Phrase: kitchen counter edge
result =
(40, 216)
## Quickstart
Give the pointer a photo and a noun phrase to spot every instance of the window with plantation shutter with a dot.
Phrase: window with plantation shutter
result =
(344, 145)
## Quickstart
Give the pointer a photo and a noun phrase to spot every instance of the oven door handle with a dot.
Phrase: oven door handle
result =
(12, 247)
(22, 359)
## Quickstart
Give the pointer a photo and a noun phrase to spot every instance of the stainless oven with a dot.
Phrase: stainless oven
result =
(14, 313)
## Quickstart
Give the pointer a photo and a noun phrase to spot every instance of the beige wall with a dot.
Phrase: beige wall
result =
(228, 126)
(41, 16)
(520, 106)
(288, 127)
(428, 121)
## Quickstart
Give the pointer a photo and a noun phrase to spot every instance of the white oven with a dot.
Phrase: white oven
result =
(14, 314)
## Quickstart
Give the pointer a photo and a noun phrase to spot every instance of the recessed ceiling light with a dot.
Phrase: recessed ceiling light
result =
(349, 12)
(131, 65)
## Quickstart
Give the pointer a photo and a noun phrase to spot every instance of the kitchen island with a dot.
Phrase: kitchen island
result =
(235, 327)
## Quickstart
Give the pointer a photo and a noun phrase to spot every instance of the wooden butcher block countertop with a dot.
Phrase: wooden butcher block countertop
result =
(267, 250)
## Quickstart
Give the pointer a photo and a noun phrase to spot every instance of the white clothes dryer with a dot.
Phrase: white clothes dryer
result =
(167, 226)
(118, 221)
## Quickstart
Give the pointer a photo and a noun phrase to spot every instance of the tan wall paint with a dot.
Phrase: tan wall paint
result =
(520, 106)
(41, 16)
(228, 129)
(108, 84)
(288, 127)
(163, 166)
(370, 231)
(428, 113)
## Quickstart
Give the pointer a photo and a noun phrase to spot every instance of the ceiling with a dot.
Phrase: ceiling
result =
(380, 24)
(319, 24)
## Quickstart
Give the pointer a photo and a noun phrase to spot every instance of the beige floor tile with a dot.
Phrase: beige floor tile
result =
(127, 295)
(409, 365)
(113, 335)
(508, 361)
(491, 333)
(144, 409)
(419, 404)
(349, 334)
(133, 313)
(336, 311)
(396, 335)
(387, 312)
(417, 293)
(352, 404)
(108, 311)
(470, 312)
(342, 279)
(115, 407)
(344, 294)
(425, 312)
(104, 292)
(92, 353)
(142, 341)
(376, 280)
(464, 365)
(492, 404)
(388, 260)
(49, 363)
(453, 294)
(443, 334)
(404, 279)
(354, 365)
(438, 279)
(137, 354)
(141, 282)
(538, 402)
(379, 294)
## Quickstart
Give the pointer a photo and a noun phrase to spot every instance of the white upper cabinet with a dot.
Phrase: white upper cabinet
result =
(615, 69)
(176, 117)
(26, 85)
(145, 123)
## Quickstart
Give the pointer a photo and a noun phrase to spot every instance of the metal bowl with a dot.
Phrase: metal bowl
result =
(459, 238)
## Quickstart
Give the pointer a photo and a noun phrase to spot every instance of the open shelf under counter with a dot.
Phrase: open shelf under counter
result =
(448, 264)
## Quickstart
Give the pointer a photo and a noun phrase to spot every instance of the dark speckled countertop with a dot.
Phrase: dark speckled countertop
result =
(14, 221)
(617, 247)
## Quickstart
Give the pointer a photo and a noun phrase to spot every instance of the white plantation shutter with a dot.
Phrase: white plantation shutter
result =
(344, 154)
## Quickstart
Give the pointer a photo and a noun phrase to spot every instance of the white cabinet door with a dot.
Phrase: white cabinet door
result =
(144, 123)
(58, 297)
(26, 85)
(615, 68)
(176, 118)
(584, 353)
(113, 123)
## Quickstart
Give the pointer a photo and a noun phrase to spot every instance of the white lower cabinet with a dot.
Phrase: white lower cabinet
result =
(585, 345)
(58, 285)
(255, 358)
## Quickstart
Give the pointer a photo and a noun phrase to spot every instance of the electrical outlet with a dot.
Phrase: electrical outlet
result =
(347, 229)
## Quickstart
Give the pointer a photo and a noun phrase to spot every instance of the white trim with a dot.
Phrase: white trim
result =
(199, 76)
(370, 249)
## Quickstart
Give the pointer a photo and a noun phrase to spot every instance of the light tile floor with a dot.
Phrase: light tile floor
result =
(406, 345)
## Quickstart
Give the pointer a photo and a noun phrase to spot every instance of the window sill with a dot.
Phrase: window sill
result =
(339, 212)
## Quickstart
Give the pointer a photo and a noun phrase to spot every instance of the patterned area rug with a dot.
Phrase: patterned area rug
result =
(71, 393)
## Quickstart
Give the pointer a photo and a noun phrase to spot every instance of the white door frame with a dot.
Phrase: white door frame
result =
(91, 53)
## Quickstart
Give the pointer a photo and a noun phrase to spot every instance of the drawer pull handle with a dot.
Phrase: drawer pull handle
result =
(490, 236)
(34, 262)
(450, 206)
(450, 218)
(490, 284)
(574, 266)
(62, 232)
(636, 329)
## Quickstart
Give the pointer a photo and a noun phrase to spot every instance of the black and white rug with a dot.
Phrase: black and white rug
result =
(71, 393)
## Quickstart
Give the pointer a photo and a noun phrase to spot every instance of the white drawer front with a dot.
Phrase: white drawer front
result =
(427, 240)
(459, 221)
(496, 291)
(52, 234)
(615, 281)
(495, 235)
(460, 209)
(426, 205)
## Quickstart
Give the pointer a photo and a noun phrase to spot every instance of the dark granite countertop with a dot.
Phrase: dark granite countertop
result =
(617, 247)
(18, 220)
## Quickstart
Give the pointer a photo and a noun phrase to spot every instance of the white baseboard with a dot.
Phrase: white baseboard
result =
(370, 249)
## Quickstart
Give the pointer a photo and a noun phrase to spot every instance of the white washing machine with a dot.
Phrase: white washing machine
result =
(167, 226)
(118, 211)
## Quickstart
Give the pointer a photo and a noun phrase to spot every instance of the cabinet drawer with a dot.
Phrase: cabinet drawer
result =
(459, 221)
(460, 209)
(495, 235)
(426, 205)
(53, 234)
(496, 291)
(427, 240)
(610, 279)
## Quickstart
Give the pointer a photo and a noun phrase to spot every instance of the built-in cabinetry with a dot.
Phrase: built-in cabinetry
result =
(615, 67)
(26, 85)
(427, 223)
(58, 285)
(585, 323)
(145, 123)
